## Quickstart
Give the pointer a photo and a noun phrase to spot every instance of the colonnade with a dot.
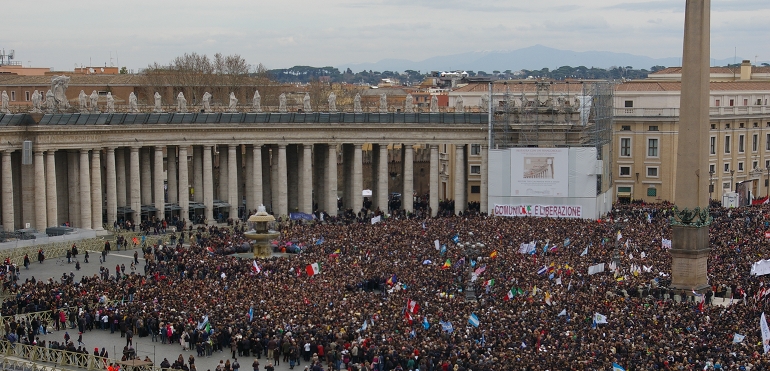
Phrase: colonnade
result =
(86, 187)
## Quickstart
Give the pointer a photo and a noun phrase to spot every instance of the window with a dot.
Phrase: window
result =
(767, 142)
(727, 126)
(713, 126)
(625, 128)
(475, 149)
(625, 171)
(759, 102)
(475, 169)
(652, 172)
(652, 148)
(625, 147)
(732, 102)
(444, 149)
(713, 146)
(754, 165)
(475, 189)
(13, 96)
(727, 167)
(652, 192)
(624, 190)
(727, 144)
(726, 185)
(712, 169)
(754, 142)
(745, 102)
(629, 104)
(767, 164)
(653, 128)
(718, 102)
(756, 124)
(740, 143)
(741, 125)
(26, 96)
(740, 166)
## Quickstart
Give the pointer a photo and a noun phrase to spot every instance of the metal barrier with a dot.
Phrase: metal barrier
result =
(35, 358)
(44, 316)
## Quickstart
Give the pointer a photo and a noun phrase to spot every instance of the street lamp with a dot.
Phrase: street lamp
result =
(732, 182)
(711, 182)
(471, 251)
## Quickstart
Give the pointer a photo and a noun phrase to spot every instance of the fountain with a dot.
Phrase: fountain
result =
(260, 233)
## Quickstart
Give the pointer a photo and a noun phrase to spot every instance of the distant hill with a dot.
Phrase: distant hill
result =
(533, 57)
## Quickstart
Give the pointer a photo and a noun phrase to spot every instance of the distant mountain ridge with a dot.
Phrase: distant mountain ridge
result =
(531, 58)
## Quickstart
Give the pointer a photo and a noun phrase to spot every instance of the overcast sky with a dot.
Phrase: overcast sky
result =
(284, 33)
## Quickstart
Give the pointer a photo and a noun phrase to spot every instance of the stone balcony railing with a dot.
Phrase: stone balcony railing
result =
(674, 112)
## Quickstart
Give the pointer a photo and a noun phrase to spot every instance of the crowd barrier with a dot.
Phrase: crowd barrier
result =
(20, 357)
(44, 316)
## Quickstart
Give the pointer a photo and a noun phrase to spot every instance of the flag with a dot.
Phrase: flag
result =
(600, 318)
(620, 235)
(456, 239)
(473, 320)
(320, 240)
(136, 241)
(493, 254)
(617, 367)
(548, 298)
(666, 244)
(510, 294)
(412, 306)
(423, 227)
(737, 338)
(207, 328)
(542, 270)
(425, 323)
(489, 283)
(434, 242)
(313, 269)
(567, 241)
(553, 248)
(392, 280)
(585, 252)
(447, 326)
(251, 314)
(443, 250)
(558, 280)
(447, 264)
(412, 334)
(765, 333)
(562, 313)
(480, 270)
(408, 317)
(365, 326)
(376, 219)
(255, 268)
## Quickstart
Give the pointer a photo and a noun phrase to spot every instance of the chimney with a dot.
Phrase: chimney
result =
(746, 70)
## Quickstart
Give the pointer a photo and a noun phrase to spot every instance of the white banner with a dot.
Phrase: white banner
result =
(765, 333)
(760, 268)
(666, 244)
(540, 172)
(376, 219)
(539, 211)
(594, 269)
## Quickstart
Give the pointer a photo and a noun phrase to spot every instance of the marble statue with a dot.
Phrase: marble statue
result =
(357, 104)
(409, 104)
(59, 85)
(433, 104)
(524, 101)
(110, 103)
(306, 104)
(132, 105)
(206, 102)
(36, 102)
(4, 106)
(158, 106)
(383, 103)
(181, 103)
(282, 103)
(459, 104)
(50, 102)
(332, 102)
(83, 101)
(256, 102)
(233, 106)
(484, 103)
(94, 97)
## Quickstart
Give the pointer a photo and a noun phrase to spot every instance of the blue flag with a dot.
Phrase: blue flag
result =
(251, 314)
(617, 367)
(443, 250)
(320, 241)
(425, 323)
(473, 320)
(567, 242)
(456, 239)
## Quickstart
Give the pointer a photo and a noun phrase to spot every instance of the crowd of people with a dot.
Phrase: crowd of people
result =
(387, 296)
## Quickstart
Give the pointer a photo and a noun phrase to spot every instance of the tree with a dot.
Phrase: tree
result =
(123, 70)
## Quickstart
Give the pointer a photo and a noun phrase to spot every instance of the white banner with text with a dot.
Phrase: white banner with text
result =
(540, 211)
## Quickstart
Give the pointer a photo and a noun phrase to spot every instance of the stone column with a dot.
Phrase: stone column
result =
(267, 178)
(248, 174)
(433, 179)
(382, 178)
(41, 220)
(96, 191)
(256, 177)
(136, 198)
(51, 199)
(484, 195)
(120, 176)
(159, 197)
(274, 179)
(198, 174)
(459, 178)
(331, 180)
(224, 175)
(111, 184)
(407, 198)
(690, 239)
(319, 176)
(171, 174)
(208, 185)
(283, 206)
(7, 171)
(232, 180)
(146, 176)
(358, 179)
(73, 179)
(306, 201)
(85, 191)
(184, 191)
(293, 177)
(347, 176)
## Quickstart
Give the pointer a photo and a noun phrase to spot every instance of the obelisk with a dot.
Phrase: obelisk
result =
(690, 224)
